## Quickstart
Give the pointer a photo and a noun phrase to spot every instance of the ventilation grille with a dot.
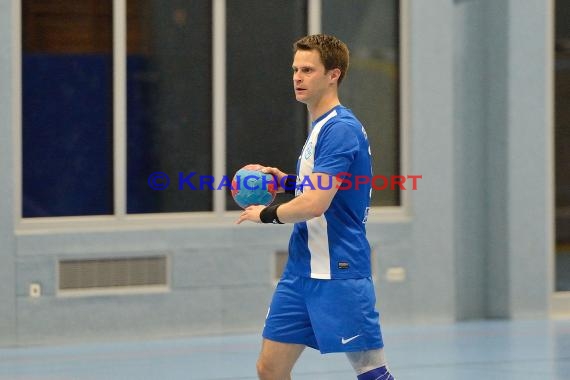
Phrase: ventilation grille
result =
(116, 273)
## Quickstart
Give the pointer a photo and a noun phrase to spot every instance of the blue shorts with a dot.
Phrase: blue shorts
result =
(327, 315)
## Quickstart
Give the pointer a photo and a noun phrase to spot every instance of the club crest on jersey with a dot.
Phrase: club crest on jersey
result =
(308, 150)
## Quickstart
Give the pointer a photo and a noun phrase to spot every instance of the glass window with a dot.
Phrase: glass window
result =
(169, 106)
(265, 124)
(371, 88)
(562, 142)
(67, 97)
(67, 108)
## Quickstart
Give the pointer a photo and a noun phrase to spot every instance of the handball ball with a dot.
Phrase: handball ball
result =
(250, 186)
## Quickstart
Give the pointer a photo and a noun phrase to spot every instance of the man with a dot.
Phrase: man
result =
(325, 298)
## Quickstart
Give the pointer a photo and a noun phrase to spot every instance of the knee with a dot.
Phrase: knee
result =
(266, 372)
(263, 372)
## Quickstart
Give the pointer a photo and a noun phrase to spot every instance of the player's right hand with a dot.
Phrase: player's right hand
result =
(278, 174)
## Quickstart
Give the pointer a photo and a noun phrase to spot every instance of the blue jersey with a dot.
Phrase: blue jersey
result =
(334, 245)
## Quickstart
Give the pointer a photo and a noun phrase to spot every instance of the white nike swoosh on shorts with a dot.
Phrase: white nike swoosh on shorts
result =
(345, 341)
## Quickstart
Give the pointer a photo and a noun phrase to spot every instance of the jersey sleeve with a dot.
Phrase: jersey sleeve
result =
(336, 148)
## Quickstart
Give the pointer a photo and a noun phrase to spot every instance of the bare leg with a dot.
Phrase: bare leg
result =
(276, 360)
(365, 361)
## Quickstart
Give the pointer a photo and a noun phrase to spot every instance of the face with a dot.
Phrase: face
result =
(310, 80)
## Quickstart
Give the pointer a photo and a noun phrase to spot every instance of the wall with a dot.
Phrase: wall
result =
(519, 159)
(502, 158)
(470, 53)
(478, 229)
(7, 239)
(530, 161)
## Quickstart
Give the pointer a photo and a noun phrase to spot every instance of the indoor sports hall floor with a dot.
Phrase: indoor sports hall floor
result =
(487, 350)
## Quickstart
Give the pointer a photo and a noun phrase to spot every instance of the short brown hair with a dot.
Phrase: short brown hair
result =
(334, 53)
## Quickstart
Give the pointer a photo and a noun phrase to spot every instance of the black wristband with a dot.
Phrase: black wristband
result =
(269, 215)
(289, 184)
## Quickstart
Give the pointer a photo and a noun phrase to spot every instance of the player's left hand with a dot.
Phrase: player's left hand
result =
(251, 214)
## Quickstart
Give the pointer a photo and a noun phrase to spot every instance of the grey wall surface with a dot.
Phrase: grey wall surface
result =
(470, 88)
(7, 238)
(431, 150)
(529, 159)
(502, 158)
(479, 225)
(519, 161)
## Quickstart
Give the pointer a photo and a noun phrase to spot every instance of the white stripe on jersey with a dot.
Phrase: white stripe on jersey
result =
(319, 248)
(318, 238)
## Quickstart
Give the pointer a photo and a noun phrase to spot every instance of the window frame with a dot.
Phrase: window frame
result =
(120, 219)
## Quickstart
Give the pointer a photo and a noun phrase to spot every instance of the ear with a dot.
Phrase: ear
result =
(334, 74)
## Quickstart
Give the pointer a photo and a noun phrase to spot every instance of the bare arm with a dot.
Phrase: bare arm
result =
(313, 202)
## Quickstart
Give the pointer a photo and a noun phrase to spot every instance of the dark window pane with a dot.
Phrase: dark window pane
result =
(169, 107)
(67, 108)
(265, 124)
(371, 88)
(562, 144)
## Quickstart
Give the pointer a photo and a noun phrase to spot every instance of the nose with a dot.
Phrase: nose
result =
(296, 77)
